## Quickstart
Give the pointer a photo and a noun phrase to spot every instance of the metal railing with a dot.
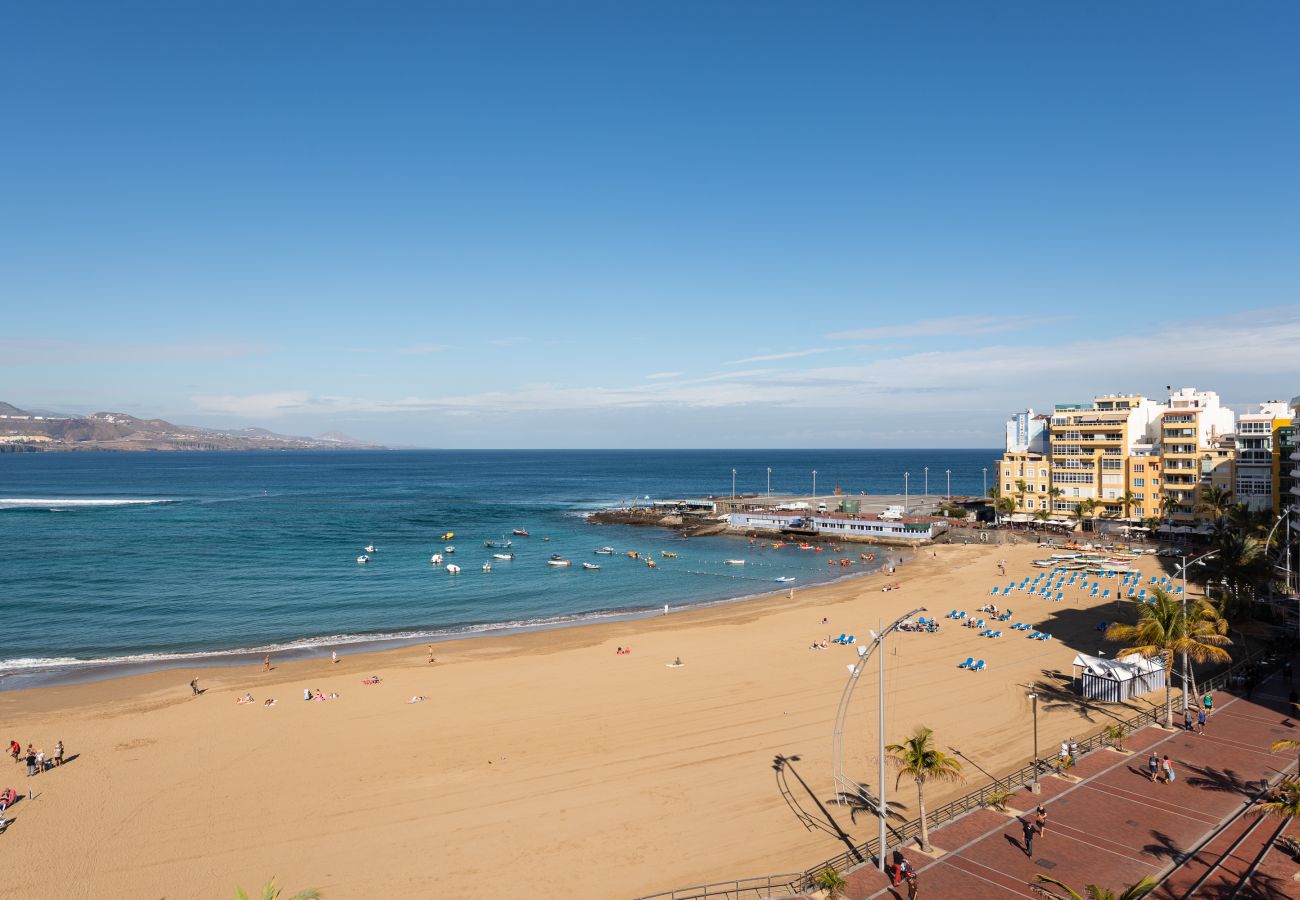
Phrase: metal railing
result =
(797, 883)
(761, 887)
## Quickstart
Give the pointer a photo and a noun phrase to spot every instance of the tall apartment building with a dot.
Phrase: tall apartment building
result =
(1285, 447)
(1256, 478)
(1294, 499)
(1023, 471)
(1092, 448)
(1196, 449)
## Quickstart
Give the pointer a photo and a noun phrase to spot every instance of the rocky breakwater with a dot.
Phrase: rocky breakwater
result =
(689, 525)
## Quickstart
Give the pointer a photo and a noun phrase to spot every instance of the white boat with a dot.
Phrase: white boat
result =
(453, 569)
(449, 549)
(591, 566)
(557, 562)
(503, 556)
(785, 579)
(487, 567)
(605, 551)
(371, 548)
(363, 559)
(733, 562)
(502, 544)
(436, 559)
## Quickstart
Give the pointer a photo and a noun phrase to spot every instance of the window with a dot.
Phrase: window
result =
(1155, 481)
(1139, 482)
(1042, 473)
(1139, 511)
(1042, 504)
(1042, 488)
(1074, 492)
(1139, 468)
(1006, 488)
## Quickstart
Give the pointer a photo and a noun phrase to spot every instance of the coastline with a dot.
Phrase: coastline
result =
(76, 671)
(622, 757)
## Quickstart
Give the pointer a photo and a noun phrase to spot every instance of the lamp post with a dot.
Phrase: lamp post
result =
(948, 472)
(769, 481)
(814, 484)
(986, 481)
(733, 484)
(905, 477)
(1033, 696)
(927, 484)
(1183, 570)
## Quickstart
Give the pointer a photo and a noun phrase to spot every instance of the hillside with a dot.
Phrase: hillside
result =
(24, 431)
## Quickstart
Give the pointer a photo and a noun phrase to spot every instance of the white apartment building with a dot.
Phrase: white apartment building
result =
(1253, 483)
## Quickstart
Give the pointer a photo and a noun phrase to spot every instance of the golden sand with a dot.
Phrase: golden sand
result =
(541, 764)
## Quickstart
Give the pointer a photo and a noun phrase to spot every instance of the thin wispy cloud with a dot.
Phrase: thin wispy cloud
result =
(658, 376)
(56, 351)
(794, 354)
(945, 326)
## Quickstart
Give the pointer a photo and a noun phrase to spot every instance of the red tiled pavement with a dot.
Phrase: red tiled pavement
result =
(1114, 826)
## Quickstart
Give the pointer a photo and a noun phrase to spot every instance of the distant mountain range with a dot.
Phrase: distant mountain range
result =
(21, 430)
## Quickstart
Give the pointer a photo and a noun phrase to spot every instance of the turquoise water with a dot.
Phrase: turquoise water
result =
(144, 558)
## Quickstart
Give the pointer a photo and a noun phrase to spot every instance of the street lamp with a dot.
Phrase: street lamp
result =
(733, 484)
(1033, 696)
(948, 472)
(1183, 570)
(927, 484)
(905, 476)
(769, 481)
(986, 481)
(814, 484)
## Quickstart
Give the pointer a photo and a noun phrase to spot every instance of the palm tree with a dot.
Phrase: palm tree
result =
(1128, 499)
(1021, 490)
(1083, 509)
(1166, 627)
(1093, 891)
(832, 882)
(1216, 501)
(920, 760)
(1042, 515)
(1239, 566)
(1005, 506)
(1287, 804)
(271, 892)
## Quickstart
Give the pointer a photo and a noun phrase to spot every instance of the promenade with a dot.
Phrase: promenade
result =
(1113, 825)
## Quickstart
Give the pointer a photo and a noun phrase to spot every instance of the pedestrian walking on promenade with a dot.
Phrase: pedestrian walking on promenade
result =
(911, 886)
(1029, 836)
(1187, 719)
(1153, 766)
(1208, 701)
(1200, 721)
(1040, 820)
(1168, 769)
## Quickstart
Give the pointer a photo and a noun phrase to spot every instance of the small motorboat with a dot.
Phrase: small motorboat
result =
(371, 548)
(522, 532)
(546, 539)
(362, 559)
(487, 567)
(785, 579)
(502, 544)
(453, 569)
(436, 559)
(633, 554)
(667, 555)
(650, 563)
(733, 562)
(556, 561)
(591, 567)
(605, 550)
(448, 536)
(503, 556)
(449, 549)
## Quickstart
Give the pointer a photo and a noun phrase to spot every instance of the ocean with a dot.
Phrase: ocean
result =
(119, 561)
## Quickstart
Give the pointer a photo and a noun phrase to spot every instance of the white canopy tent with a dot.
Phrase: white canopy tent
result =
(1117, 680)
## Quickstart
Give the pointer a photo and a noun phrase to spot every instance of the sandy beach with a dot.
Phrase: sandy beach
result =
(544, 763)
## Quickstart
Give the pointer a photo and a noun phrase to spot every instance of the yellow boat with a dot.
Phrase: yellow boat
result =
(667, 555)
(449, 535)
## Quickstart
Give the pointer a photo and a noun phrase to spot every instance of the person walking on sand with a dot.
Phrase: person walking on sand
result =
(334, 656)
(266, 663)
(15, 750)
(431, 660)
(58, 754)
(31, 761)
(194, 686)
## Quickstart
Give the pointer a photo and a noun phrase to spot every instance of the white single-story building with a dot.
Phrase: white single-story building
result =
(1117, 680)
(862, 527)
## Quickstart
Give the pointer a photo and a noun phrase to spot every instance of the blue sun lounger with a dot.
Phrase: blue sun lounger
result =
(978, 667)
(1034, 636)
(993, 634)
(841, 639)
(970, 661)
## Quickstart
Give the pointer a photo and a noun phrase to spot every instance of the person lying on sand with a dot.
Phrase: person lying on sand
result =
(373, 679)
(247, 698)
(269, 702)
(416, 699)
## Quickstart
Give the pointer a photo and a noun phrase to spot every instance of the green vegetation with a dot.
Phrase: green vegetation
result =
(832, 882)
(1166, 627)
(918, 759)
(1092, 891)
(271, 892)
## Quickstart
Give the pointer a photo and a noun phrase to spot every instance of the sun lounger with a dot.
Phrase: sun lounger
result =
(994, 591)
(967, 664)
(1043, 636)
(962, 614)
(994, 634)
(1105, 595)
(1034, 636)
(985, 632)
(978, 667)
(850, 640)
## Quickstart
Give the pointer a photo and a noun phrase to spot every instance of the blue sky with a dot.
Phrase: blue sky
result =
(656, 224)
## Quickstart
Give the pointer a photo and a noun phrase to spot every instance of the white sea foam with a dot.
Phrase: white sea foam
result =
(70, 502)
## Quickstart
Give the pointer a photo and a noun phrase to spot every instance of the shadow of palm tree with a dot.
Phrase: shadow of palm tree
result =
(1266, 887)
(1064, 697)
(1224, 781)
(864, 803)
(1163, 846)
